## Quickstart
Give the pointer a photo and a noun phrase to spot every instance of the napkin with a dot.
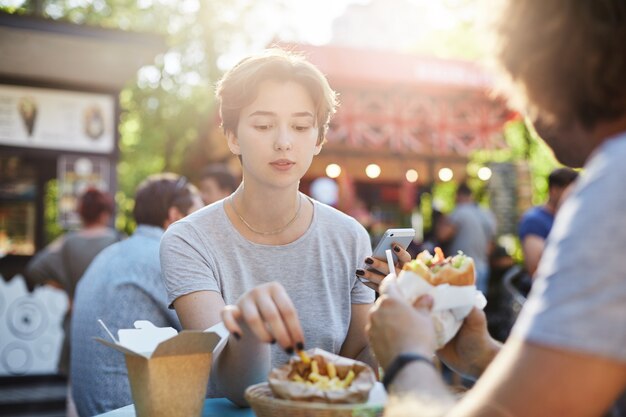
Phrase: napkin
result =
(451, 303)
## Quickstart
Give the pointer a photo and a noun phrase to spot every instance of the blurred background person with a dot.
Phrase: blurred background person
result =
(63, 262)
(123, 284)
(217, 182)
(536, 223)
(471, 229)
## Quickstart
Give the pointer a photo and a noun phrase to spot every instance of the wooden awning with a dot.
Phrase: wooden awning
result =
(66, 54)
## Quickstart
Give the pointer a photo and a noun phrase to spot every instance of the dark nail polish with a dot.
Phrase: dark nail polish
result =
(300, 346)
(369, 261)
(396, 248)
(273, 341)
(289, 350)
(237, 335)
(360, 272)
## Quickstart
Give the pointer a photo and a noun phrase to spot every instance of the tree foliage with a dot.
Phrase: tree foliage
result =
(167, 111)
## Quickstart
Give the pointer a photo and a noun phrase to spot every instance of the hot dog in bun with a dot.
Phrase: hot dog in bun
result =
(438, 269)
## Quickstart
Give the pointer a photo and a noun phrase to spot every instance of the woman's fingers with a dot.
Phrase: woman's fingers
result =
(249, 307)
(403, 257)
(230, 316)
(294, 336)
(270, 315)
(376, 269)
(374, 272)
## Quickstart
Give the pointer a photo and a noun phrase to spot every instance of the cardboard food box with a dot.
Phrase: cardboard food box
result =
(168, 371)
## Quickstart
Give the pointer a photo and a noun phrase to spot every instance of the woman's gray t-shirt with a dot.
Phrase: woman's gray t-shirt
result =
(204, 252)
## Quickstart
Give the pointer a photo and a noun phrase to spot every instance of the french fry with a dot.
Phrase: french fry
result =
(331, 371)
(349, 378)
(327, 379)
(304, 357)
(315, 367)
(314, 376)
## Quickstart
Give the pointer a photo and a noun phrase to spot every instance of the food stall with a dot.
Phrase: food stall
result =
(410, 116)
(59, 112)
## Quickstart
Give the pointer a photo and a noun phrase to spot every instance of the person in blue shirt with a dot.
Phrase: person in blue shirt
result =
(536, 223)
(123, 284)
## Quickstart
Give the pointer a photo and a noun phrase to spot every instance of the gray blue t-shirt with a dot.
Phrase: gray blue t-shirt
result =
(578, 300)
(475, 228)
(122, 284)
(204, 252)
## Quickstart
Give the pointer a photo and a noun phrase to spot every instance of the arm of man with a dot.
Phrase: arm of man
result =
(532, 247)
(232, 369)
(528, 379)
(356, 345)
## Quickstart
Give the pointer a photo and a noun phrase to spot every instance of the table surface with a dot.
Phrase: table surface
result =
(221, 407)
(213, 407)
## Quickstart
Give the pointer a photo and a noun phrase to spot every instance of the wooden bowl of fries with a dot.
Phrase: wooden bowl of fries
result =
(266, 404)
(316, 383)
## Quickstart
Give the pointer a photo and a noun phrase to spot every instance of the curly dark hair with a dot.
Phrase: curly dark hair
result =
(565, 59)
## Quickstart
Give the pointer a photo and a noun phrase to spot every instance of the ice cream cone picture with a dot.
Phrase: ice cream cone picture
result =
(27, 108)
(94, 122)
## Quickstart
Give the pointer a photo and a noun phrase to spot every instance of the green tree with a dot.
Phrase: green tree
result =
(168, 110)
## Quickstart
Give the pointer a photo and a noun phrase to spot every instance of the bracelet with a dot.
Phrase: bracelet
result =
(400, 362)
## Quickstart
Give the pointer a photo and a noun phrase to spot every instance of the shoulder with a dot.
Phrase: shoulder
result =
(536, 221)
(461, 211)
(338, 230)
(331, 217)
(211, 217)
(535, 211)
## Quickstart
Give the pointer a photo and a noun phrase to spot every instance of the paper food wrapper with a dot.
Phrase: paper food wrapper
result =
(283, 387)
(451, 304)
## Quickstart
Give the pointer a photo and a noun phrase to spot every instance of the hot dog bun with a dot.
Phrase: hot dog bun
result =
(457, 270)
(455, 276)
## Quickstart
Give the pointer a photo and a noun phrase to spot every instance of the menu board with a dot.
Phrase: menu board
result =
(56, 119)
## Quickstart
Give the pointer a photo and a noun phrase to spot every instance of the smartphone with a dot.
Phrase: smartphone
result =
(402, 237)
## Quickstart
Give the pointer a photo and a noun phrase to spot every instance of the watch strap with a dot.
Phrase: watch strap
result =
(400, 362)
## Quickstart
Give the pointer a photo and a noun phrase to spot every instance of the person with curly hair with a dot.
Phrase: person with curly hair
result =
(565, 62)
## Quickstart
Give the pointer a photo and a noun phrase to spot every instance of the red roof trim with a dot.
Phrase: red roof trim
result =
(366, 66)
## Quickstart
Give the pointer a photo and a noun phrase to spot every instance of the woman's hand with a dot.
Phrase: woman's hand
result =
(377, 270)
(270, 315)
(396, 327)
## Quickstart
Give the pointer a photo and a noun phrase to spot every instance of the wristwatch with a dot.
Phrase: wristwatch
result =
(400, 362)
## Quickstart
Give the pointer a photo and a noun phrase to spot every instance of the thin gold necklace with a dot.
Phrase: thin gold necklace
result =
(271, 232)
